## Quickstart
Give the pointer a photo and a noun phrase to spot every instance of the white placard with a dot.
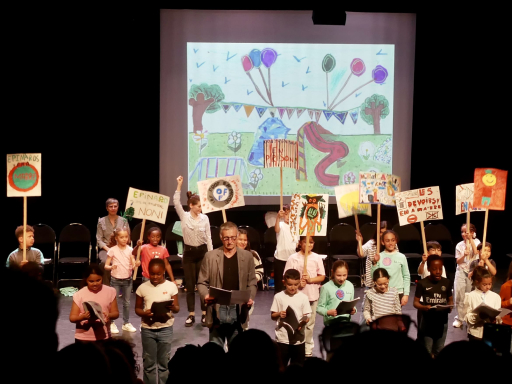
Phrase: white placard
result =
(147, 205)
(220, 193)
(419, 205)
(347, 200)
(24, 174)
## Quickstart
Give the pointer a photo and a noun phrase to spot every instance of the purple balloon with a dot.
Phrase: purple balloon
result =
(255, 56)
(268, 57)
(379, 74)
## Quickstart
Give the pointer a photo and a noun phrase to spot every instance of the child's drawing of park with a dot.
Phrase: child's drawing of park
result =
(335, 100)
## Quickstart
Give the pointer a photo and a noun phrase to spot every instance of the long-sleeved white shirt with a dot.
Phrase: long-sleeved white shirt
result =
(196, 232)
(473, 300)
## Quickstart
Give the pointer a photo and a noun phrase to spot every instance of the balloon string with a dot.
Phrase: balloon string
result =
(257, 89)
(355, 90)
(266, 89)
(327, 85)
(270, 86)
(344, 85)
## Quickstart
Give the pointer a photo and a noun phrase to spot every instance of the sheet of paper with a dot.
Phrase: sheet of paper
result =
(159, 308)
(240, 297)
(222, 296)
(483, 308)
(345, 307)
(440, 307)
(95, 310)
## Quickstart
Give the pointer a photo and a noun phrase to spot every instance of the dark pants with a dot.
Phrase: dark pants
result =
(102, 256)
(296, 354)
(192, 258)
(432, 336)
(278, 275)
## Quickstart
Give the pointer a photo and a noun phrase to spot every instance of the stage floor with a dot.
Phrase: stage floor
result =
(199, 335)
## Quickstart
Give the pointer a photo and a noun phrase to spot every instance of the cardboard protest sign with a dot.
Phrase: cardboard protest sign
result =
(281, 153)
(464, 198)
(220, 193)
(490, 188)
(378, 188)
(308, 214)
(24, 174)
(347, 199)
(419, 205)
(147, 205)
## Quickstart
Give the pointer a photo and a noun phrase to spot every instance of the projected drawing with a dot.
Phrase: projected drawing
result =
(289, 91)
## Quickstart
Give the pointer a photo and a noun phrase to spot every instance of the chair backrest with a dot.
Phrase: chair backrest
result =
(135, 233)
(321, 245)
(74, 241)
(342, 240)
(254, 237)
(170, 241)
(269, 242)
(216, 241)
(441, 234)
(367, 231)
(45, 240)
(409, 239)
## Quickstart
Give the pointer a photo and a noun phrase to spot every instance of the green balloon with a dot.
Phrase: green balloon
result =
(328, 63)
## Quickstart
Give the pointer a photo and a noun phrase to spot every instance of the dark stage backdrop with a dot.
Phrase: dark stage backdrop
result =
(83, 87)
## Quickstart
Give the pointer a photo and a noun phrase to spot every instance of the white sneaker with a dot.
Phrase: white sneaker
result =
(113, 328)
(457, 323)
(128, 327)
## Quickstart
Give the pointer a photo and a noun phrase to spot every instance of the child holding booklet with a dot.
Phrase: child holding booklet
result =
(432, 291)
(332, 293)
(156, 328)
(291, 341)
(482, 280)
(381, 300)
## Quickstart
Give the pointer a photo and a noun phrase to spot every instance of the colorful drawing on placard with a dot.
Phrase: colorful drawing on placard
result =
(464, 198)
(309, 214)
(378, 188)
(490, 188)
(281, 153)
(220, 193)
(347, 200)
(419, 205)
(24, 174)
(147, 205)
(334, 100)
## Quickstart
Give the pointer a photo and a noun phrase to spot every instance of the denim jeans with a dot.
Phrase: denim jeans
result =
(432, 336)
(156, 353)
(124, 285)
(228, 327)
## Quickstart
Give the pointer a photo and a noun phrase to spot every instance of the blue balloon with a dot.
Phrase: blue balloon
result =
(255, 56)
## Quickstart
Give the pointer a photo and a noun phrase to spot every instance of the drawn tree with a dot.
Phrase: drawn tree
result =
(204, 98)
(373, 109)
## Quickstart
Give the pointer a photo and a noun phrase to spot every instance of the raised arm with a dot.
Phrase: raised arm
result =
(176, 198)
(280, 215)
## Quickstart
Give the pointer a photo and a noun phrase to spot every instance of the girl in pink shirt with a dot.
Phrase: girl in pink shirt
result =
(88, 326)
(310, 283)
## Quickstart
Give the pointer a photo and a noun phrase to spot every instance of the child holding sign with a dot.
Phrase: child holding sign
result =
(310, 283)
(463, 256)
(33, 254)
(151, 251)
(121, 262)
(285, 246)
(336, 290)
(395, 264)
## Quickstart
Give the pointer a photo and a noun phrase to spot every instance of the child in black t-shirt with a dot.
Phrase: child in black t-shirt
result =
(436, 292)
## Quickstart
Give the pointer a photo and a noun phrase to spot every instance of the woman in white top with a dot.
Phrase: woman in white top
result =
(285, 246)
(197, 241)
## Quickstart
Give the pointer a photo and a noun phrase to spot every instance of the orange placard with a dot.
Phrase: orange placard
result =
(490, 188)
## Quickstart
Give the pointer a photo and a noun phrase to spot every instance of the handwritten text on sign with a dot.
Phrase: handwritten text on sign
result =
(281, 153)
(147, 205)
(24, 174)
(464, 198)
(220, 193)
(419, 205)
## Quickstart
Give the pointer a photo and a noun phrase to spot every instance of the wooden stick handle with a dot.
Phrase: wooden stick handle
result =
(423, 238)
(281, 197)
(378, 229)
(24, 228)
(357, 226)
(468, 242)
(139, 249)
(306, 251)
(224, 215)
(485, 228)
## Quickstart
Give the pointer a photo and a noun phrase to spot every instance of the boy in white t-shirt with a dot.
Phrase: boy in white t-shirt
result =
(433, 248)
(290, 335)
(156, 329)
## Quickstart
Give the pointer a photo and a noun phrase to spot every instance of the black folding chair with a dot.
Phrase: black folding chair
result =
(254, 237)
(73, 253)
(216, 241)
(45, 241)
(269, 248)
(343, 246)
(172, 247)
(409, 244)
(441, 234)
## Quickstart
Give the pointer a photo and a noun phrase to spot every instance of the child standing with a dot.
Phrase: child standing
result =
(431, 291)
(463, 256)
(368, 250)
(291, 342)
(156, 330)
(336, 290)
(310, 283)
(93, 290)
(506, 296)
(285, 246)
(153, 250)
(483, 259)
(482, 280)
(120, 263)
(381, 300)
(33, 254)
(396, 265)
(433, 248)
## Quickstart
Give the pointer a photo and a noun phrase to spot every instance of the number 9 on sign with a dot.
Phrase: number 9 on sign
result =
(221, 193)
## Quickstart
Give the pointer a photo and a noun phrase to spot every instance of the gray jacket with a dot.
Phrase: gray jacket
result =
(212, 269)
